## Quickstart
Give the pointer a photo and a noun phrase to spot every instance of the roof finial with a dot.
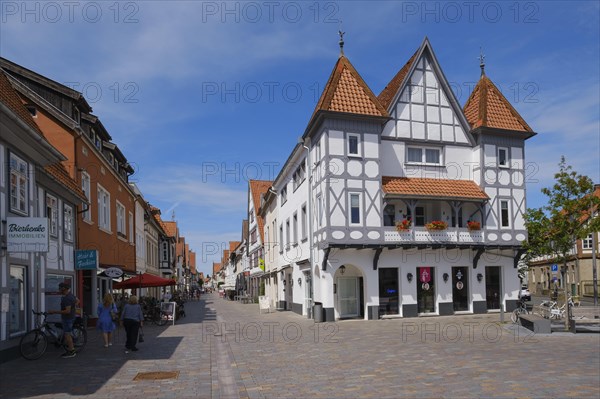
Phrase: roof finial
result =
(482, 62)
(341, 39)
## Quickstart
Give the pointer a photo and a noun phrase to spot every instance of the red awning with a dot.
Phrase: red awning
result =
(144, 280)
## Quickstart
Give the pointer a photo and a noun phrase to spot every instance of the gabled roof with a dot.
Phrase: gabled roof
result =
(233, 245)
(170, 228)
(346, 91)
(216, 268)
(257, 189)
(412, 187)
(389, 92)
(487, 107)
(58, 172)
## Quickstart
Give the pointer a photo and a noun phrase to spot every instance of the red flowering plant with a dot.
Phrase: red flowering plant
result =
(403, 225)
(473, 225)
(436, 225)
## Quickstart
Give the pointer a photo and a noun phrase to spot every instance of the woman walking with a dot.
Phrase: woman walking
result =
(132, 318)
(107, 312)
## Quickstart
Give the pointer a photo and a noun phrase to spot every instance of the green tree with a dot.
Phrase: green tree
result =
(554, 228)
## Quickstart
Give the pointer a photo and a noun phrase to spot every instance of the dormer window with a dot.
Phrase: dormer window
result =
(92, 135)
(98, 142)
(76, 115)
(32, 110)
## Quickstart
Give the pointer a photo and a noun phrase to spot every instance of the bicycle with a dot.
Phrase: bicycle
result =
(558, 312)
(34, 344)
(156, 315)
(521, 309)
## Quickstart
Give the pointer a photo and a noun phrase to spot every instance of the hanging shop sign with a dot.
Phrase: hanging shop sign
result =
(86, 259)
(113, 272)
(27, 234)
(425, 274)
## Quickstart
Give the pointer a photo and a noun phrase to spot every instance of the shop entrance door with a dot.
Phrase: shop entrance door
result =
(348, 296)
(492, 287)
(460, 288)
(426, 289)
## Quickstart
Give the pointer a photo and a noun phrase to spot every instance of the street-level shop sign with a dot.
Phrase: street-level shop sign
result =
(86, 259)
(113, 272)
(27, 234)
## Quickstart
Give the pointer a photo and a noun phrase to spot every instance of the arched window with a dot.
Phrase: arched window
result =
(389, 215)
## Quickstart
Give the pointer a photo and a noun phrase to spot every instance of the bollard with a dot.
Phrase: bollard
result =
(501, 313)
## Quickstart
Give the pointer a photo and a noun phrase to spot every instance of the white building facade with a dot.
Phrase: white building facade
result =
(412, 205)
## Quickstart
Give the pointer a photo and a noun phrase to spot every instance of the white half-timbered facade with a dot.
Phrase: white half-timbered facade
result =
(414, 204)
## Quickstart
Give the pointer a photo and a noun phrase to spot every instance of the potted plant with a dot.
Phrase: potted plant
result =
(403, 225)
(436, 225)
(473, 225)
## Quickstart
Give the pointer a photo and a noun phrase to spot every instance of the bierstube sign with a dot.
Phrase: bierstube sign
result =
(27, 234)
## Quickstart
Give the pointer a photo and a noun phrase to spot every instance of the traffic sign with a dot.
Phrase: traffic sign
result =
(555, 268)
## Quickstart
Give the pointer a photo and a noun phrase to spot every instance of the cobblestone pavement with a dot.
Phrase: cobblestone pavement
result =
(225, 349)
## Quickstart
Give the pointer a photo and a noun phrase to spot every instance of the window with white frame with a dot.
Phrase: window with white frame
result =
(121, 227)
(304, 219)
(52, 214)
(280, 238)
(355, 214)
(503, 157)
(19, 177)
(253, 236)
(251, 216)
(287, 233)
(68, 222)
(354, 144)
(319, 210)
(283, 195)
(131, 228)
(86, 187)
(318, 152)
(504, 213)
(424, 155)
(295, 228)
(103, 208)
(299, 175)
(587, 242)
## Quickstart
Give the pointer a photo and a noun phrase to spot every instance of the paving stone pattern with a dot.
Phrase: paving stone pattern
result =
(225, 349)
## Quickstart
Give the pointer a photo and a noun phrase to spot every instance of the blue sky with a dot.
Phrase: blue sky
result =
(202, 96)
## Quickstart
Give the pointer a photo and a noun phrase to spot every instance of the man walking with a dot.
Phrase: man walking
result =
(68, 303)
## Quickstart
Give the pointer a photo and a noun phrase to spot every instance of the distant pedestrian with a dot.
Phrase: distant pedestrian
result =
(107, 314)
(166, 296)
(132, 318)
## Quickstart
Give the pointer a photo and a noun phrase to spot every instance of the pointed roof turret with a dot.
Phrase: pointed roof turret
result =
(346, 91)
(487, 107)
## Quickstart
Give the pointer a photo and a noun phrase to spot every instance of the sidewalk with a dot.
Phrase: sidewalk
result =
(225, 349)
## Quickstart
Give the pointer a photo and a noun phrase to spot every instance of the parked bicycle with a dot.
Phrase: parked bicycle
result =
(156, 315)
(33, 345)
(520, 310)
(555, 312)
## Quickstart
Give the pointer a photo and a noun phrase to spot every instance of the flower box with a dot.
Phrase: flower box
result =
(436, 225)
(472, 225)
(403, 225)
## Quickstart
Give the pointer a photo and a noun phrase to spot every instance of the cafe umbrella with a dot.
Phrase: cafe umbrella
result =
(144, 280)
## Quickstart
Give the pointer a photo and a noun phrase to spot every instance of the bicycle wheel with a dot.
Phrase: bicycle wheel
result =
(33, 344)
(514, 316)
(161, 320)
(79, 335)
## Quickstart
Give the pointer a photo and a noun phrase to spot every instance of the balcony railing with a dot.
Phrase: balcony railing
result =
(422, 235)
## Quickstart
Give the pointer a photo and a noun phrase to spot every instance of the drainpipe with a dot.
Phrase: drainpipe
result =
(310, 221)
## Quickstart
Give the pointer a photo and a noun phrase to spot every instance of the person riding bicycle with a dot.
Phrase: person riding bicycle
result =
(68, 303)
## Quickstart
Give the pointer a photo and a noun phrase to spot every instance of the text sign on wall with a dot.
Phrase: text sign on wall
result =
(27, 234)
(86, 259)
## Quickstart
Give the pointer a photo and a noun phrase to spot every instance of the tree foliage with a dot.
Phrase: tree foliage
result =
(554, 228)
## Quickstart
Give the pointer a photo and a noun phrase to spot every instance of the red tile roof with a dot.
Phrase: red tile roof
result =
(58, 172)
(487, 107)
(9, 96)
(170, 228)
(257, 189)
(389, 92)
(233, 245)
(432, 188)
(346, 91)
(225, 257)
(216, 268)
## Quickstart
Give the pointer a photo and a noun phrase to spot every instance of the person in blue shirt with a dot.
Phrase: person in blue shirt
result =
(132, 318)
(68, 303)
(107, 312)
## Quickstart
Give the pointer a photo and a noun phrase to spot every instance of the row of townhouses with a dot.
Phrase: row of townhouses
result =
(68, 209)
(397, 205)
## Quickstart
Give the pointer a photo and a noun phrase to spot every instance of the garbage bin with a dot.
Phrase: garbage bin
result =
(318, 312)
